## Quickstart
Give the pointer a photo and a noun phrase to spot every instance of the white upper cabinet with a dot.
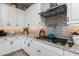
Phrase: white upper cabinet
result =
(8, 15)
(45, 6)
(16, 44)
(32, 16)
(20, 18)
(4, 13)
(12, 16)
(0, 13)
(73, 13)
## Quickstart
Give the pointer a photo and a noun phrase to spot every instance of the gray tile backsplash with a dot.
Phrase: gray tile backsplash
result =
(56, 24)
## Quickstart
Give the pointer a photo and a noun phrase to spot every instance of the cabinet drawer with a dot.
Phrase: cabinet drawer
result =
(54, 49)
(35, 49)
(5, 47)
(41, 50)
(44, 52)
(28, 46)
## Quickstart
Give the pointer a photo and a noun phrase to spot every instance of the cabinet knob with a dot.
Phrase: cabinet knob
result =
(5, 39)
(8, 24)
(26, 39)
(11, 42)
(28, 44)
(39, 23)
(24, 42)
(16, 24)
(31, 41)
(39, 51)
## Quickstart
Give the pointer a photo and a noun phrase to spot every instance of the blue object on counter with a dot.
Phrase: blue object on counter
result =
(51, 36)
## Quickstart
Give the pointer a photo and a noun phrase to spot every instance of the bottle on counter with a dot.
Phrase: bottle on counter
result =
(42, 34)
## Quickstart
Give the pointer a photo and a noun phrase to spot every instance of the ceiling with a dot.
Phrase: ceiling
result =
(22, 6)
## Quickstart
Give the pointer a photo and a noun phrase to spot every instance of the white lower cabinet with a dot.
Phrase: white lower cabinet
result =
(5, 47)
(29, 47)
(10, 45)
(76, 40)
(33, 48)
(16, 44)
(41, 51)
(68, 53)
(52, 49)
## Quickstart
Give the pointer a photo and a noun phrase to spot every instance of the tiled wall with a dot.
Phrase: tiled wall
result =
(56, 24)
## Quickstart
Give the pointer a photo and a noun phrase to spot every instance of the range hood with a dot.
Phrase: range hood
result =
(55, 11)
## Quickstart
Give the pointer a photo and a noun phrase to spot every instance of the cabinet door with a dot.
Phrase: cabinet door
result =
(76, 40)
(16, 44)
(42, 50)
(67, 53)
(53, 49)
(32, 16)
(73, 12)
(12, 16)
(45, 7)
(5, 48)
(4, 14)
(35, 21)
(20, 18)
(29, 47)
(69, 13)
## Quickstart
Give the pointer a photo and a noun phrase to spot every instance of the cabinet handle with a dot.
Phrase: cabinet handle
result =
(26, 39)
(39, 23)
(39, 51)
(67, 19)
(31, 41)
(16, 24)
(28, 44)
(24, 42)
(5, 39)
(11, 42)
